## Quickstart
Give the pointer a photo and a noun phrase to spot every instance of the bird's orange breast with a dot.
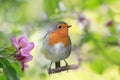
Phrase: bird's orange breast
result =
(58, 36)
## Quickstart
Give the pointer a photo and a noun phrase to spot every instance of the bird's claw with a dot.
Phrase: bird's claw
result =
(49, 71)
(58, 69)
(67, 66)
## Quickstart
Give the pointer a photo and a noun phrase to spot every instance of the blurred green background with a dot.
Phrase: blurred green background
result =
(95, 35)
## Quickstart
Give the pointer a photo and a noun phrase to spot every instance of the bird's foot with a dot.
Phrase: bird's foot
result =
(58, 69)
(67, 67)
(49, 71)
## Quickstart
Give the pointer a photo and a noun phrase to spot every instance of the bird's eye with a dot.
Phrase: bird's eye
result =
(59, 26)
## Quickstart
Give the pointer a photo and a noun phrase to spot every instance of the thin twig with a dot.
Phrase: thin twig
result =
(63, 68)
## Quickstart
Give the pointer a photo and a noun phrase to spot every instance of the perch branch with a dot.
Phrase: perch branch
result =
(63, 68)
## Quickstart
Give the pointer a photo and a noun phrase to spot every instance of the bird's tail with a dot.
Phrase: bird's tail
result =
(57, 64)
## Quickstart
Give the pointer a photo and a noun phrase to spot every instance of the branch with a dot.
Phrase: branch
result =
(63, 68)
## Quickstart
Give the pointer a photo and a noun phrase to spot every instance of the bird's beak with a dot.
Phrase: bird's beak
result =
(69, 26)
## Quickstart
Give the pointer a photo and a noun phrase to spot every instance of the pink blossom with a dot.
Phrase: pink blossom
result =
(23, 49)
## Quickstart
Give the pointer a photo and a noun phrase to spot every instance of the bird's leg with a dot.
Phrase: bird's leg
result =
(57, 65)
(66, 64)
(49, 69)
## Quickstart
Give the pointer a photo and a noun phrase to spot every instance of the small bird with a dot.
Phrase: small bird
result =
(57, 44)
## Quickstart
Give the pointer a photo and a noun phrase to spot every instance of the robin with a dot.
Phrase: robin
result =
(57, 44)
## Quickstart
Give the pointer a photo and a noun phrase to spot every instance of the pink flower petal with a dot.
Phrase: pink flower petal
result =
(20, 57)
(28, 58)
(22, 40)
(23, 66)
(28, 47)
(14, 42)
(26, 66)
(25, 54)
(23, 58)
(23, 50)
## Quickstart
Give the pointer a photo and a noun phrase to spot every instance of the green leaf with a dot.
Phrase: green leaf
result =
(111, 39)
(10, 49)
(50, 6)
(8, 70)
(111, 14)
(113, 54)
(109, 1)
(98, 66)
(16, 65)
(2, 51)
(5, 51)
(112, 30)
(3, 77)
(91, 4)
